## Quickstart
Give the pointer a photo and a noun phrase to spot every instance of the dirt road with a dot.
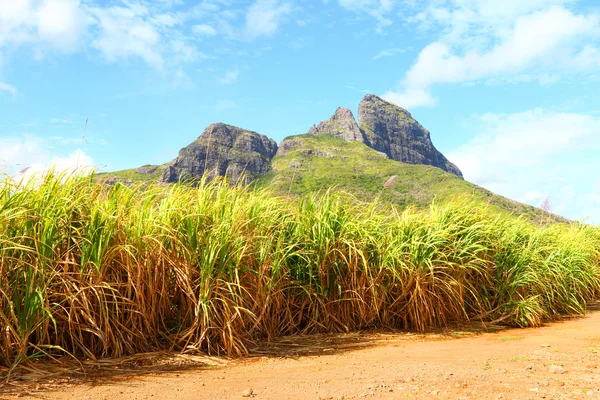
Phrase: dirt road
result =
(558, 361)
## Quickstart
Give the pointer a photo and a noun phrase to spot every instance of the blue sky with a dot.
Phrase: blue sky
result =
(509, 89)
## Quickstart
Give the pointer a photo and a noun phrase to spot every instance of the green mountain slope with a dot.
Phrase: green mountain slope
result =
(147, 173)
(387, 155)
(309, 163)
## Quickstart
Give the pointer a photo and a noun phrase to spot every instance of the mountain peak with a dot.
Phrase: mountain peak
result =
(223, 150)
(376, 101)
(341, 125)
(387, 128)
(392, 130)
(226, 150)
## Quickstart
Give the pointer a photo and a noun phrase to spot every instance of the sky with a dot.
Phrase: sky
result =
(510, 90)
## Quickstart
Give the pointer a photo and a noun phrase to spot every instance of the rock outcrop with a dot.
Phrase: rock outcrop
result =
(387, 128)
(222, 150)
(393, 131)
(146, 169)
(288, 144)
(113, 180)
(242, 155)
(342, 125)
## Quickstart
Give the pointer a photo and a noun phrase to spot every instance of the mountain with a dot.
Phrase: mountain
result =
(393, 131)
(389, 129)
(387, 155)
(222, 150)
(341, 125)
(311, 163)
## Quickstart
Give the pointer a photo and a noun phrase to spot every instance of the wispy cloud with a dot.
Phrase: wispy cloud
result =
(120, 30)
(29, 124)
(5, 87)
(379, 9)
(61, 121)
(297, 44)
(229, 78)
(183, 52)
(264, 17)
(534, 154)
(65, 141)
(204, 30)
(389, 52)
(127, 32)
(165, 34)
(532, 40)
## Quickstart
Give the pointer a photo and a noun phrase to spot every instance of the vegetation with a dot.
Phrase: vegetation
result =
(146, 173)
(321, 162)
(103, 271)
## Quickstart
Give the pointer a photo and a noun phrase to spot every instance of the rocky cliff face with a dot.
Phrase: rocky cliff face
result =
(223, 150)
(341, 125)
(393, 131)
(387, 128)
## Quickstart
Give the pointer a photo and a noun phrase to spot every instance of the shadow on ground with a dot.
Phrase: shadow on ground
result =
(33, 378)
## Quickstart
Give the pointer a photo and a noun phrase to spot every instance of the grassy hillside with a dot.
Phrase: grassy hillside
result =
(146, 173)
(102, 271)
(324, 162)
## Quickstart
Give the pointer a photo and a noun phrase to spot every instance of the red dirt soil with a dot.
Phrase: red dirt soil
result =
(557, 361)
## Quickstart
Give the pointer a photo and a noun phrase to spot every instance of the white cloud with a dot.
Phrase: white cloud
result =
(229, 78)
(168, 20)
(61, 22)
(126, 32)
(184, 52)
(171, 3)
(477, 21)
(5, 87)
(162, 34)
(57, 24)
(136, 30)
(410, 98)
(30, 155)
(204, 30)
(264, 17)
(388, 53)
(531, 155)
(78, 162)
(533, 41)
(18, 153)
(123, 30)
(484, 40)
(379, 9)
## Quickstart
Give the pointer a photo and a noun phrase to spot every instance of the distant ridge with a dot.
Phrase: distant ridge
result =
(225, 150)
(386, 155)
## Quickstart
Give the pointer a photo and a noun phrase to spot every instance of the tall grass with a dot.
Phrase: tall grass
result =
(97, 271)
